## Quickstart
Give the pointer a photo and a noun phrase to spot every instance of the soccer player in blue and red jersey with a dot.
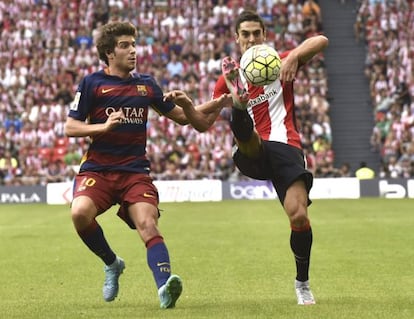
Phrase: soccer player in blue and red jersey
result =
(111, 107)
(268, 141)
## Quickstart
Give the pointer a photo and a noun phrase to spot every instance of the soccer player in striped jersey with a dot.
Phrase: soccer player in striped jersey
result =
(268, 141)
(111, 107)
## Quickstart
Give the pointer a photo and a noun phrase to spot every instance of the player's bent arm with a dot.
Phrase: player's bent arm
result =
(309, 48)
(76, 128)
(300, 55)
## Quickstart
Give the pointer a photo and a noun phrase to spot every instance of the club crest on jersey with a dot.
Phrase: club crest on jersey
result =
(142, 90)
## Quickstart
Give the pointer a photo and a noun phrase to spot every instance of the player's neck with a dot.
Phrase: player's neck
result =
(116, 72)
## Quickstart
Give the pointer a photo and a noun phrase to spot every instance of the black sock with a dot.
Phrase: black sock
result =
(241, 124)
(301, 243)
(94, 238)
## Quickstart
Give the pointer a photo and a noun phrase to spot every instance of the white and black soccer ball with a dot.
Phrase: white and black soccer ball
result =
(260, 64)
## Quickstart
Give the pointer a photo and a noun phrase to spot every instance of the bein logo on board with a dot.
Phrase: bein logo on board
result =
(252, 191)
(396, 188)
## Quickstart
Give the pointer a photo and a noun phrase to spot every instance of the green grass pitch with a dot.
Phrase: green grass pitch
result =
(233, 256)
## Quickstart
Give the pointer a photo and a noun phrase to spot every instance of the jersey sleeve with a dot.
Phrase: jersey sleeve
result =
(159, 105)
(284, 54)
(79, 108)
(220, 87)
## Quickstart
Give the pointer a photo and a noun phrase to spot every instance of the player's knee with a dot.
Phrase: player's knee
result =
(299, 220)
(81, 218)
(82, 213)
(297, 214)
(147, 226)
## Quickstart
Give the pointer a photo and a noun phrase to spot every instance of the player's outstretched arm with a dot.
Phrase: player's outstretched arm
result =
(202, 116)
(301, 55)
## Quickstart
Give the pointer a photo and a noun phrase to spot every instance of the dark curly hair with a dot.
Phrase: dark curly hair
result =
(108, 34)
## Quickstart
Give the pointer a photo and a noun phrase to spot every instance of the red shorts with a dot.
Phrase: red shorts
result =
(110, 188)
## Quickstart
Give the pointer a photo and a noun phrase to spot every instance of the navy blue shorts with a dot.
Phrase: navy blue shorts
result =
(280, 163)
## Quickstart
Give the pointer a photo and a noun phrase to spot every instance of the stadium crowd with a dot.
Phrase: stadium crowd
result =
(47, 47)
(385, 26)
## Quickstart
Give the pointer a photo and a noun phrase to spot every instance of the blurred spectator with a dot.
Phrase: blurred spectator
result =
(312, 13)
(55, 172)
(380, 131)
(72, 156)
(364, 172)
(8, 168)
(345, 170)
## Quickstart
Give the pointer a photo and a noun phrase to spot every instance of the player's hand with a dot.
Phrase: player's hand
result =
(289, 68)
(178, 97)
(114, 119)
(225, 100)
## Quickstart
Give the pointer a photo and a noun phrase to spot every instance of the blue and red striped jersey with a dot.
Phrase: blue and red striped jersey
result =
(124, 147)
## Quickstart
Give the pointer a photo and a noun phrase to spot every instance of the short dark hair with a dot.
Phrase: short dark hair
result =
(248, 15)
(108, 34)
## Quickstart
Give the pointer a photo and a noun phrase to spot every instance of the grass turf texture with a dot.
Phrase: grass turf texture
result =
(233, 256)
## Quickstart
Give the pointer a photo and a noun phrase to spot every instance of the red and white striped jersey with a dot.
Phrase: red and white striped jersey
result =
(271, 108)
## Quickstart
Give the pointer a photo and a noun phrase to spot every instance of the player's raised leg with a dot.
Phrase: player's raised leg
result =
(241, 123)
(230, 70)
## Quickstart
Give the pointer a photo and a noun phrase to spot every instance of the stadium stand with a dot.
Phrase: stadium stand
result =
(47, 47)
(386, 29)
